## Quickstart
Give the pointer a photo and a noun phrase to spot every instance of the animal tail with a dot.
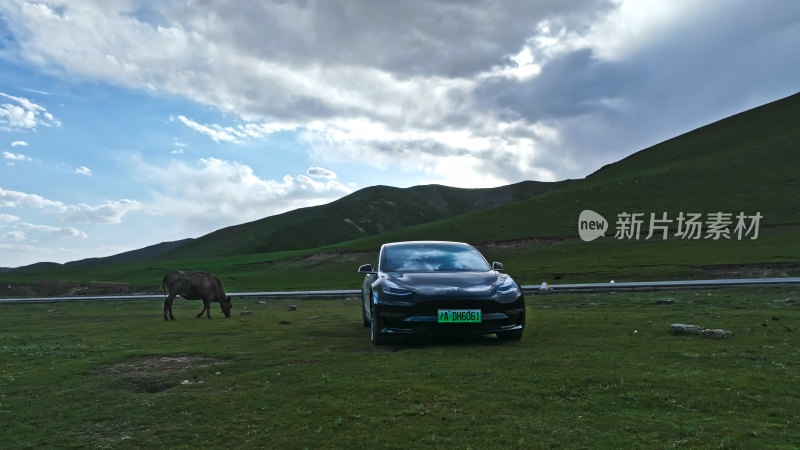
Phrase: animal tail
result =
(164, 287)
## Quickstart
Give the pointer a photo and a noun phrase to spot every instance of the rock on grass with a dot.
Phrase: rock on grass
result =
(680, 328)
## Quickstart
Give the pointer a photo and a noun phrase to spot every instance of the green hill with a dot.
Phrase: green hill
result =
(370, 211)
(747, 163)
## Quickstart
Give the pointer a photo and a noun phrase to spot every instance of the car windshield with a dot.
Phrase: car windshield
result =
(432, 258)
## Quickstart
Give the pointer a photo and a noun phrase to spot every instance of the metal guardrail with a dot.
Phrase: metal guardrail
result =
(332, 294)
(662, 285)
(527, 289)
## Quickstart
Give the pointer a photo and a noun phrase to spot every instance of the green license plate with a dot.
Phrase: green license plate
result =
(459, 316)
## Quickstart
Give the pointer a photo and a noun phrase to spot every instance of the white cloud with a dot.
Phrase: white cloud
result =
(212, 193)
(233, 134)
(466, 158)
(321, 172)
(258, 130)
(63, 231)
(179, 146)
(634, 25)
(83, 170)
(16, 199)
(216, 132)
(19, 143)
(16, 236)
(271, 94)
(108, 213)
(21, 114)
(8, 218)
(111, 212)
(16, 156)
(448, 84)
(21, 248)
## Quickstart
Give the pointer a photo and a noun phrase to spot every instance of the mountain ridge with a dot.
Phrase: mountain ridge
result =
(738, 164)
(368, 211)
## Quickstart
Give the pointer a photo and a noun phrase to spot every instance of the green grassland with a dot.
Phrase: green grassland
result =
(532, 262)
(592, 371)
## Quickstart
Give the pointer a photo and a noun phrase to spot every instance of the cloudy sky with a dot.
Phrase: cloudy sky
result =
(126, 123)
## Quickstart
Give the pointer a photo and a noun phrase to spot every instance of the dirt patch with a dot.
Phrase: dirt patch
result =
(764, 270)
(160, 364)
(302, 362)
(384, 349)
(54, 288)
(516, 242)
(338, 254)
(155, 374)
(314, 257)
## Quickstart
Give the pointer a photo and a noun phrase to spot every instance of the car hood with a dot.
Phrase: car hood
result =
(448, 283)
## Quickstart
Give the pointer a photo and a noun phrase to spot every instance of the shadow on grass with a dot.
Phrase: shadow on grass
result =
(402, 343)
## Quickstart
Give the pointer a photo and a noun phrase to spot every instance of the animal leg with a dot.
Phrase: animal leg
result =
(168, 307)
(206, 308)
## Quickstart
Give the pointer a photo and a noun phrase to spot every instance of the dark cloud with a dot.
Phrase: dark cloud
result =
(410, 37)
(436, 79)
(707, 67)
(711, 62)
(573, 84)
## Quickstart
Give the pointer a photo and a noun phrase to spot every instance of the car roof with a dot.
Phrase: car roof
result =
(397, 244)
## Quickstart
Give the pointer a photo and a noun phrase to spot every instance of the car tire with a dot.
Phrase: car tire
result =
(375, 328)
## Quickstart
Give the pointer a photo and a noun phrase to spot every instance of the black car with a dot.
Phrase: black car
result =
(433, 287)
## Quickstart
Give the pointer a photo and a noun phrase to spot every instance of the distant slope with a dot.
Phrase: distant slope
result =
(367, 212)
(370, 211)
(151, 251)
(749, 162)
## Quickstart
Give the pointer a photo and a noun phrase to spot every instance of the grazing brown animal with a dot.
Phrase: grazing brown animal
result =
(194, 286)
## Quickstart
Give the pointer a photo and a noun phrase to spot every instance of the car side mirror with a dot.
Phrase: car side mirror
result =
(366, 268)
(498, 266)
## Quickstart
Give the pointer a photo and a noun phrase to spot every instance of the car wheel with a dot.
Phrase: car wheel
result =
(375, 329)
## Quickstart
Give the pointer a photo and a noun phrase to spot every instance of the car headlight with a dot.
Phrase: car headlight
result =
(508, 287)
(390, 287)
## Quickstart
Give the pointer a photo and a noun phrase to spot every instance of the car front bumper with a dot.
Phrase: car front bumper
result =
(422, 317)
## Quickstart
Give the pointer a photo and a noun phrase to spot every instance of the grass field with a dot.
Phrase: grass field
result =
(592, 371)
(531, 262)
